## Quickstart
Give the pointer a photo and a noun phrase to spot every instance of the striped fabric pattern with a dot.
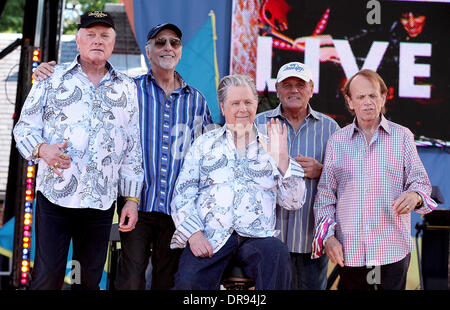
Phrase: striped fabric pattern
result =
(358, 185)
(297, 227)
(168, 127)
(322, 231)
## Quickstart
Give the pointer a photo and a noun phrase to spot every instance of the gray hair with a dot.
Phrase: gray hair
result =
(148, 46)
(234, 80)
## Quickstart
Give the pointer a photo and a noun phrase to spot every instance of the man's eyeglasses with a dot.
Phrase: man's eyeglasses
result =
(161, 42)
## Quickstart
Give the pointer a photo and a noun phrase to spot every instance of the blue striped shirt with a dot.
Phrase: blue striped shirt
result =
(168, 127)
(297, 227)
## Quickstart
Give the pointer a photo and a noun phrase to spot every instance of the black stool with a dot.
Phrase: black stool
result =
(234, 278)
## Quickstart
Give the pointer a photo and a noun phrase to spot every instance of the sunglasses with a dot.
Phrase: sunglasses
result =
(161, 42)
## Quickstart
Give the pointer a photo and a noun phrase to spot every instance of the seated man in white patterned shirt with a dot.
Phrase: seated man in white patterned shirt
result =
(226, 194)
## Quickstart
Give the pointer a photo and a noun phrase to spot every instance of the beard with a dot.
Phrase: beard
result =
(167, 63)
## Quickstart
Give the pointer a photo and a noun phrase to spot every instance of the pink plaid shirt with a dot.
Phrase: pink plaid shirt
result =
(358, 185)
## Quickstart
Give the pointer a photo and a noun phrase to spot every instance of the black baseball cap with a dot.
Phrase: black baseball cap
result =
(155, 30)
(95, 17)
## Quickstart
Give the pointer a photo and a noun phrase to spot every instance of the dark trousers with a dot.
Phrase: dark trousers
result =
(55, 227)
(151, 237)
(385, 277)
(308, 273)
(265, 260)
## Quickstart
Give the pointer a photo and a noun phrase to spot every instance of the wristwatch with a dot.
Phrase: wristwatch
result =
(36, 150)
(420, 201)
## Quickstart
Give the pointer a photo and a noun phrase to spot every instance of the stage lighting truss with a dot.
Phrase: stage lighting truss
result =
(36, 61)
(25, 275)
(25, 268)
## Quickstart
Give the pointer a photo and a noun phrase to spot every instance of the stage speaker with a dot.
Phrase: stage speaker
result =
(435, 250)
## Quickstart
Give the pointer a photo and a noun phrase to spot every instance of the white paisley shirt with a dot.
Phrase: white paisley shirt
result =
(219, 191)
(102, 129)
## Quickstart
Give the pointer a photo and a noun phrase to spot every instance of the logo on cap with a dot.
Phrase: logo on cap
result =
(295, 67)
(97, 14)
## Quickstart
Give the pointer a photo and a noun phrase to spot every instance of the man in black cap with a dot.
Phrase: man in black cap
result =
(172, 114)
(81, 126)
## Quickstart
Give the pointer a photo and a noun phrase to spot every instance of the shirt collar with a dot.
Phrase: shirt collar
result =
(75, 64)
(277, 112)
(184, 85)
(313, 113)
(383, 124)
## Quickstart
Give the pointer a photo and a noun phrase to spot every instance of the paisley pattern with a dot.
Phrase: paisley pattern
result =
(218, 191)
(56, 98)
(101, 127)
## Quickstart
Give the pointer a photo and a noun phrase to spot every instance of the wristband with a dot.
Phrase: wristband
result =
(136, 200)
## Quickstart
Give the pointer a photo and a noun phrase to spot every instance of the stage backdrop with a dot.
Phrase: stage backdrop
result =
(405, 42)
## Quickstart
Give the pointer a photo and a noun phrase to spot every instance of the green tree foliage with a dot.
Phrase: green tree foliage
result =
(11, 19)
(75, 8)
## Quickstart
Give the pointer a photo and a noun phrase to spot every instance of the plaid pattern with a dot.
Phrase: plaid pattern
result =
(358, 185)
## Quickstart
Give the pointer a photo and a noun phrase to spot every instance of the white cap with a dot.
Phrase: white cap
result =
(296, 69)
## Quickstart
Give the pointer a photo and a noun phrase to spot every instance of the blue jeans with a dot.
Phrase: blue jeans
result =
(56, 226)
(309, 274)
(265, 260)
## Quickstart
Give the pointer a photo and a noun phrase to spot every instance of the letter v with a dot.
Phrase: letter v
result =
(348, 61)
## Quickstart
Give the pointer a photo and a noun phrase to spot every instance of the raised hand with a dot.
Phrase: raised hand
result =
(278, 144)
